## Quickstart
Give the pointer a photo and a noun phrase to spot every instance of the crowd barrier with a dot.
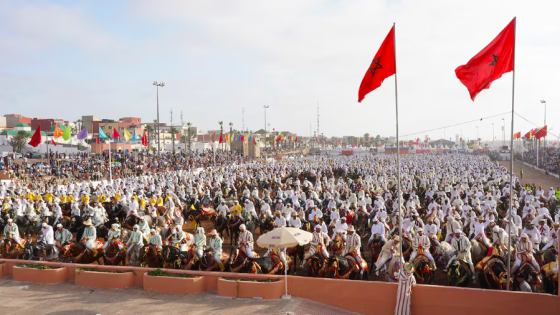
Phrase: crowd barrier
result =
(365, 297)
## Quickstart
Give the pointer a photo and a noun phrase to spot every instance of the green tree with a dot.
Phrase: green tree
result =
(173, 132)
(19, 140)
(150, 132)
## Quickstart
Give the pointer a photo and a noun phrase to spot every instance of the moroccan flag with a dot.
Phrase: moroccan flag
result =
(296, 140)
(144, 140)
(254, 141)
(490, 63)
(36, 138)
(528, 134)
(52, 140)
(97, 140)
(517, 135)
(115, 133)
(57, 131)
(382, 66)
(542, 132)
(279, 138)
(221, 138)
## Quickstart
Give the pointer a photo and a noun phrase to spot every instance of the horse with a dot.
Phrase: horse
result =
(316, 265)
(296, 251)
(266, 223)
(337, 245)
(234, 222)
(130, 222)
(423, 272)
(40, 251)
(375, 246)
(550, 280)
(207, 262)
(173, 257)
(532, 276)
(151, 257)
(459, 273)
(12, 250)
(387, 271)
(493, 274)
(339, 267)
(134, 255)
(220, 224)
(84, 255)
(114, 254)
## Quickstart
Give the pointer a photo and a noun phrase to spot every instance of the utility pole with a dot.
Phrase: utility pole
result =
(158, 85)
(265, 107)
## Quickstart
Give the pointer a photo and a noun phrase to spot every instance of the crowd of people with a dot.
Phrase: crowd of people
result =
(453, 209)
(549, 159)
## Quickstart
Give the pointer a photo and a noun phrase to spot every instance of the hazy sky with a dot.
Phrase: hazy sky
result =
(70, 58)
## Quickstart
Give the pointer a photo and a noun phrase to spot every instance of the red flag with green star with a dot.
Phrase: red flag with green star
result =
(382, 66)
(490, 63)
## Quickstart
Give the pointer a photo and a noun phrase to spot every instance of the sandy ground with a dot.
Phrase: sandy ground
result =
(533, 176)
(68, 299)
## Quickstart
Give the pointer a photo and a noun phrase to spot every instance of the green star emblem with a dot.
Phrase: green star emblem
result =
(377, 66)
(495, 60)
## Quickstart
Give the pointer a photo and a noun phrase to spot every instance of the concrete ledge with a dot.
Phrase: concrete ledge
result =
(246, 289)
(3, 270)
(174, 284)
(107, 280)
(39, 275)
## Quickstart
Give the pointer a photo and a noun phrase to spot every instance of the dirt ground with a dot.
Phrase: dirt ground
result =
(533, 176)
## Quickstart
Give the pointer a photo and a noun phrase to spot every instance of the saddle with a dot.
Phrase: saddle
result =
(354, 263)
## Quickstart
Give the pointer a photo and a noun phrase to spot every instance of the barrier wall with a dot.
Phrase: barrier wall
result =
(365, 297)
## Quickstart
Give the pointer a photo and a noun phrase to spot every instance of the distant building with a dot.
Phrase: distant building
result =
(130, 121)
(46, 124)
(3, 123)
(88, 120)
(13, 120)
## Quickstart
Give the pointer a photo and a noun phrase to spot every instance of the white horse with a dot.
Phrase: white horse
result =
(444, 252)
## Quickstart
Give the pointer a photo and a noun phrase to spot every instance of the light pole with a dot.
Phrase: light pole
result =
(544, 102)
(504, 133)
(265, 107)
(158, 85)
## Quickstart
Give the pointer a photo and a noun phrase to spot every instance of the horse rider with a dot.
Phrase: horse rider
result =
(524, 249)
(12, 229)
(136, 238)
(353, 245)
(250, 209)
(222, 209)
(237, 210)
(46, 235)
(113, 235)
(421, 241)
(553, 243)
(387, 251)
(452, 225)
(532, 233)
(245, 241)
(199, 241)
(88, 237)
(479, 228)
(144, 228)
(319, 242)
(216, 245)
(62, 236)
(265, 208)
(377, 229)
(279, 220)
(462, 249)
(179, 238)
(295, 222)
(155, 239)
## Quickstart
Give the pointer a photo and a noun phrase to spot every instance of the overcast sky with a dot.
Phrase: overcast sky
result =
(64, 59)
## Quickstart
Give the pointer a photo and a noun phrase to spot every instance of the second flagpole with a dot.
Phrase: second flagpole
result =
(398, 147)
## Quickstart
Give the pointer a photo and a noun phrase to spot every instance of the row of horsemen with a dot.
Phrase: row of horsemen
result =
(421, 234)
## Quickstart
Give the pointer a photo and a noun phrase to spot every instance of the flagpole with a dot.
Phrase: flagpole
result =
(110, 174)
(398, 147)
(511, 159)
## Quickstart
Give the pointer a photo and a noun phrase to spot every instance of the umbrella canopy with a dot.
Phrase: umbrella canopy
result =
(284, 237)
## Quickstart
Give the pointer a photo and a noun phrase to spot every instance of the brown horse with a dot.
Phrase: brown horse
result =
(151, 257)
(337, 245)
(84, 255)
(115, 254)
(207, 262)
(11, 250)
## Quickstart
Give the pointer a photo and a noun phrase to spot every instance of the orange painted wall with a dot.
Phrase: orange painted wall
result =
(368, 297)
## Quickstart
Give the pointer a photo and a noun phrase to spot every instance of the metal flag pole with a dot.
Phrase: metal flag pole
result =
(511, 160)
(398, 148)
(110, 174)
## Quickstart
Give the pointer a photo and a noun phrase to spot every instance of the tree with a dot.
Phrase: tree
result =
(189, 133)
(173, 132)
(19, 140)
(149, 131)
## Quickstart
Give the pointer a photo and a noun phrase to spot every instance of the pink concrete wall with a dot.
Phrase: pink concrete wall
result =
(368, 297)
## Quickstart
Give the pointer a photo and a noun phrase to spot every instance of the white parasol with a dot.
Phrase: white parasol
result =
(284, 237)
